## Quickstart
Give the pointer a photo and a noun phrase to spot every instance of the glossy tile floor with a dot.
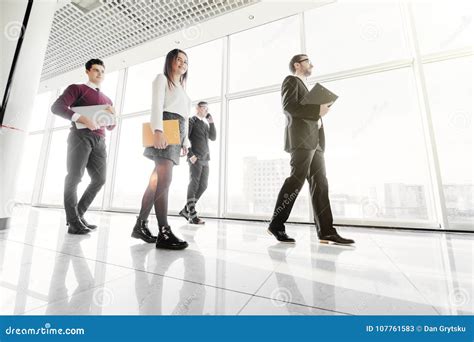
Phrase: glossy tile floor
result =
(230, 268)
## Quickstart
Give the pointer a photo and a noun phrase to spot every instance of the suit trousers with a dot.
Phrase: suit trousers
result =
(85, 150)
(305, 165)
(198, 180)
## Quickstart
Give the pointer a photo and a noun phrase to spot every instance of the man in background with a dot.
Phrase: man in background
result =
(201, 130)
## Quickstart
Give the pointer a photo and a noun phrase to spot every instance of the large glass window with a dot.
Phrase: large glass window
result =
(132, 169)
(351, 34)
(259, 57)
(257, 163)
(28, 168)
(443, 25)
(109, 86)
(375, 150)
(138, 88)
(40, 112)
(450, 95)
(205, 70)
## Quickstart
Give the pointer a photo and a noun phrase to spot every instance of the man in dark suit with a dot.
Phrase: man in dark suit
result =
(85, 145)
(199, 133)
(304, 140)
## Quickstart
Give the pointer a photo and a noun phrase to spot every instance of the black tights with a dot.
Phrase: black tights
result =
(157, 192)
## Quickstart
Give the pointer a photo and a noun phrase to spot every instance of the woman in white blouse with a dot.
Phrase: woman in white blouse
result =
(169, 102)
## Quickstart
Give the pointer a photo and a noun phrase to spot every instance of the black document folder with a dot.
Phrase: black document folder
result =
(319, 95)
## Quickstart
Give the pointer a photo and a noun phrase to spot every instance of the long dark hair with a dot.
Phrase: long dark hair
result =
(168, 68)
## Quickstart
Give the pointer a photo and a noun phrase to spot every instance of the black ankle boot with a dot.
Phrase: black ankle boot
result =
(141, 231)
(77, 227)
(167, 240)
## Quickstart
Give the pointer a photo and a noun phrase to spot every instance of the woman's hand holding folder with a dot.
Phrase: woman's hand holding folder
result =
(159, 140)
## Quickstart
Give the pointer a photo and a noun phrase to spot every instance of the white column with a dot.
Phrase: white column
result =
(24, 86)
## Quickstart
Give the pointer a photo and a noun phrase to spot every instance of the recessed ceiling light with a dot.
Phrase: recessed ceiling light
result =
(177, 41)
(251, 17)
(85, 6)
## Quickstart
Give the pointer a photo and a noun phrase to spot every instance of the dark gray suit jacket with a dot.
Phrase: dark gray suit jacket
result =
(301, 131)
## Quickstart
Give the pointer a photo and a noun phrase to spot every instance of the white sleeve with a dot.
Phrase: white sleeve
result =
(158, 102)
(186, 125)
(75, 117)
(186, 133)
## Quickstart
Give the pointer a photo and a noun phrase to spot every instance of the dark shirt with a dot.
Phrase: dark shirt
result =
(78, 95)
(199, 135)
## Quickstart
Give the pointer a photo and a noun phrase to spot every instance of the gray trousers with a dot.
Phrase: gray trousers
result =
(198, 179)
(85, 150)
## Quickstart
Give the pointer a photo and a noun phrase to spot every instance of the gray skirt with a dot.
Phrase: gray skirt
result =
(171, 152)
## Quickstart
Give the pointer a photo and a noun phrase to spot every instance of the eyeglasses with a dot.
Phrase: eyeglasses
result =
(305, 60)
